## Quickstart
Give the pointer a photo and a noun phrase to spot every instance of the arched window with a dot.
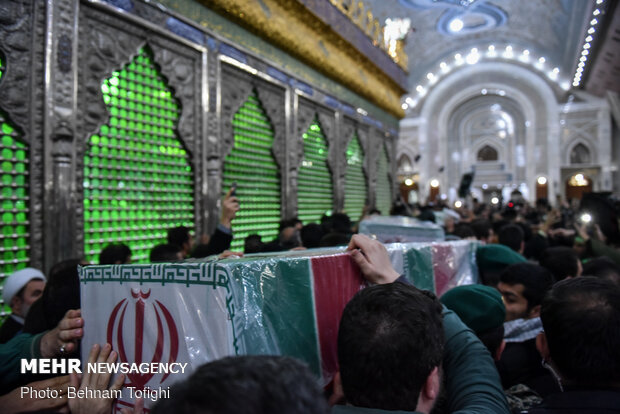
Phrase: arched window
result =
(252, 166)
(355, 191)
(315, 192)
(404, 165)
(138, 180)
(580, 154)
(487, 153)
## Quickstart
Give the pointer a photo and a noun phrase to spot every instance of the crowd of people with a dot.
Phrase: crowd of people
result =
(539, 333)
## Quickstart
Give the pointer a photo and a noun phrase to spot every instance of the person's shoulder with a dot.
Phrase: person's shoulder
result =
(349, 409)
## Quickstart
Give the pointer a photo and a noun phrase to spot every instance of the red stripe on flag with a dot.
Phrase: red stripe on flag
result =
(444, 267)
(336, 280)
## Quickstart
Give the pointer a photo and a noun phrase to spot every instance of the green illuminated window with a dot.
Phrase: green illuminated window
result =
(355, 191)
(251, 165)
(384, 192)
(138, 182)
(315, 191)
(14, 235)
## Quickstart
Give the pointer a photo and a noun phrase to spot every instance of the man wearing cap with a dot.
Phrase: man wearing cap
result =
(492, 259)
(20, 291)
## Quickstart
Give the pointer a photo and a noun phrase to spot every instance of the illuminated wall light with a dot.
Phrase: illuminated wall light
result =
(404, 106)
(472, 58)
(583, 59)
(419, 88)
(579, 70)
(581, 64)
(599, 1)
(485, 186)
(483, 92)
(585, 53)
(556, 70)
(591, 30)
(575, 83)
(542, 180)
(589, 39)
(409, 100)
(458, 56)
(408, 182)
(542, 60)
(596, 12)
(565, 85)
(456, 25)
(593, 22)
(434, 183)
(586, 46)
(526, 52)
(458, 204)
(494, 200)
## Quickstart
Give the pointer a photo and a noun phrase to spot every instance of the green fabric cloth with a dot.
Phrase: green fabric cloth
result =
(472, 383)
(25, 346)
(480, 307)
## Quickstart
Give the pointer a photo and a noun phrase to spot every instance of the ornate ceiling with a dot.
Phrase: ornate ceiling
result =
(547, 36)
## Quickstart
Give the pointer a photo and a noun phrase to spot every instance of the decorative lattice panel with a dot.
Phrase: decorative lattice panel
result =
(138, 182)
(251, 165)
(355, 191)
(14, 236)
(384, 192)
(315, 189)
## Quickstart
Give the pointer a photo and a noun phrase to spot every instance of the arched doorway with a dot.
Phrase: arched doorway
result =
(578, 185)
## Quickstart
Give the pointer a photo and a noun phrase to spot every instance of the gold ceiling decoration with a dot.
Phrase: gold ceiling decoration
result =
(289, 25)
(364, 19)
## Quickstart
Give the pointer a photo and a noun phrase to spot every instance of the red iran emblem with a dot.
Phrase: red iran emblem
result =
(162, 316)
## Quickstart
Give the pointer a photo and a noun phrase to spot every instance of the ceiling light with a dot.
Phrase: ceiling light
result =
(443, 65)
(585, 53)
(408, 182)
(541, 60)
(485, 186)
(456, 25)
(565, 85)
(589, 39)
(404, 106)
(526, 52)
(599, 1)
(593, 22)
(556, 70)
(596, 12)
(575, 83)
(458, 56)
(542, 180)
(472, 58)
(483, 92)
(491, 48)
(434, 183)
(419, 88)
(579, 70)
(508, 48)
(581, 64)
(430, 76)
(591, 30)
(409, 100)
(583, 59)
(586, 46)
(494, 200)
(458, 204)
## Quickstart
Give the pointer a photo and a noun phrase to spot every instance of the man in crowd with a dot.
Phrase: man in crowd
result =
(20, 291)
(395, 343)
(580, 343)
(218, 242)
(523, 287)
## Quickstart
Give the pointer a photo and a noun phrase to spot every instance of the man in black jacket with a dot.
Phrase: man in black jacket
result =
(581, 344)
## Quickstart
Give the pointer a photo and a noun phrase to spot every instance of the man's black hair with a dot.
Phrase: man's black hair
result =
(581, 318)
(481, 228)
(511, 235)
(536, 281)
(114, 254)
(341, 223)
(604, 268)
(463, 231)
(61, 293)
(253, 244)
(311, 235)
(164, 253)
(562, 261)
(492, 339)
(390, 339)
(178, 236)
(257, 384)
